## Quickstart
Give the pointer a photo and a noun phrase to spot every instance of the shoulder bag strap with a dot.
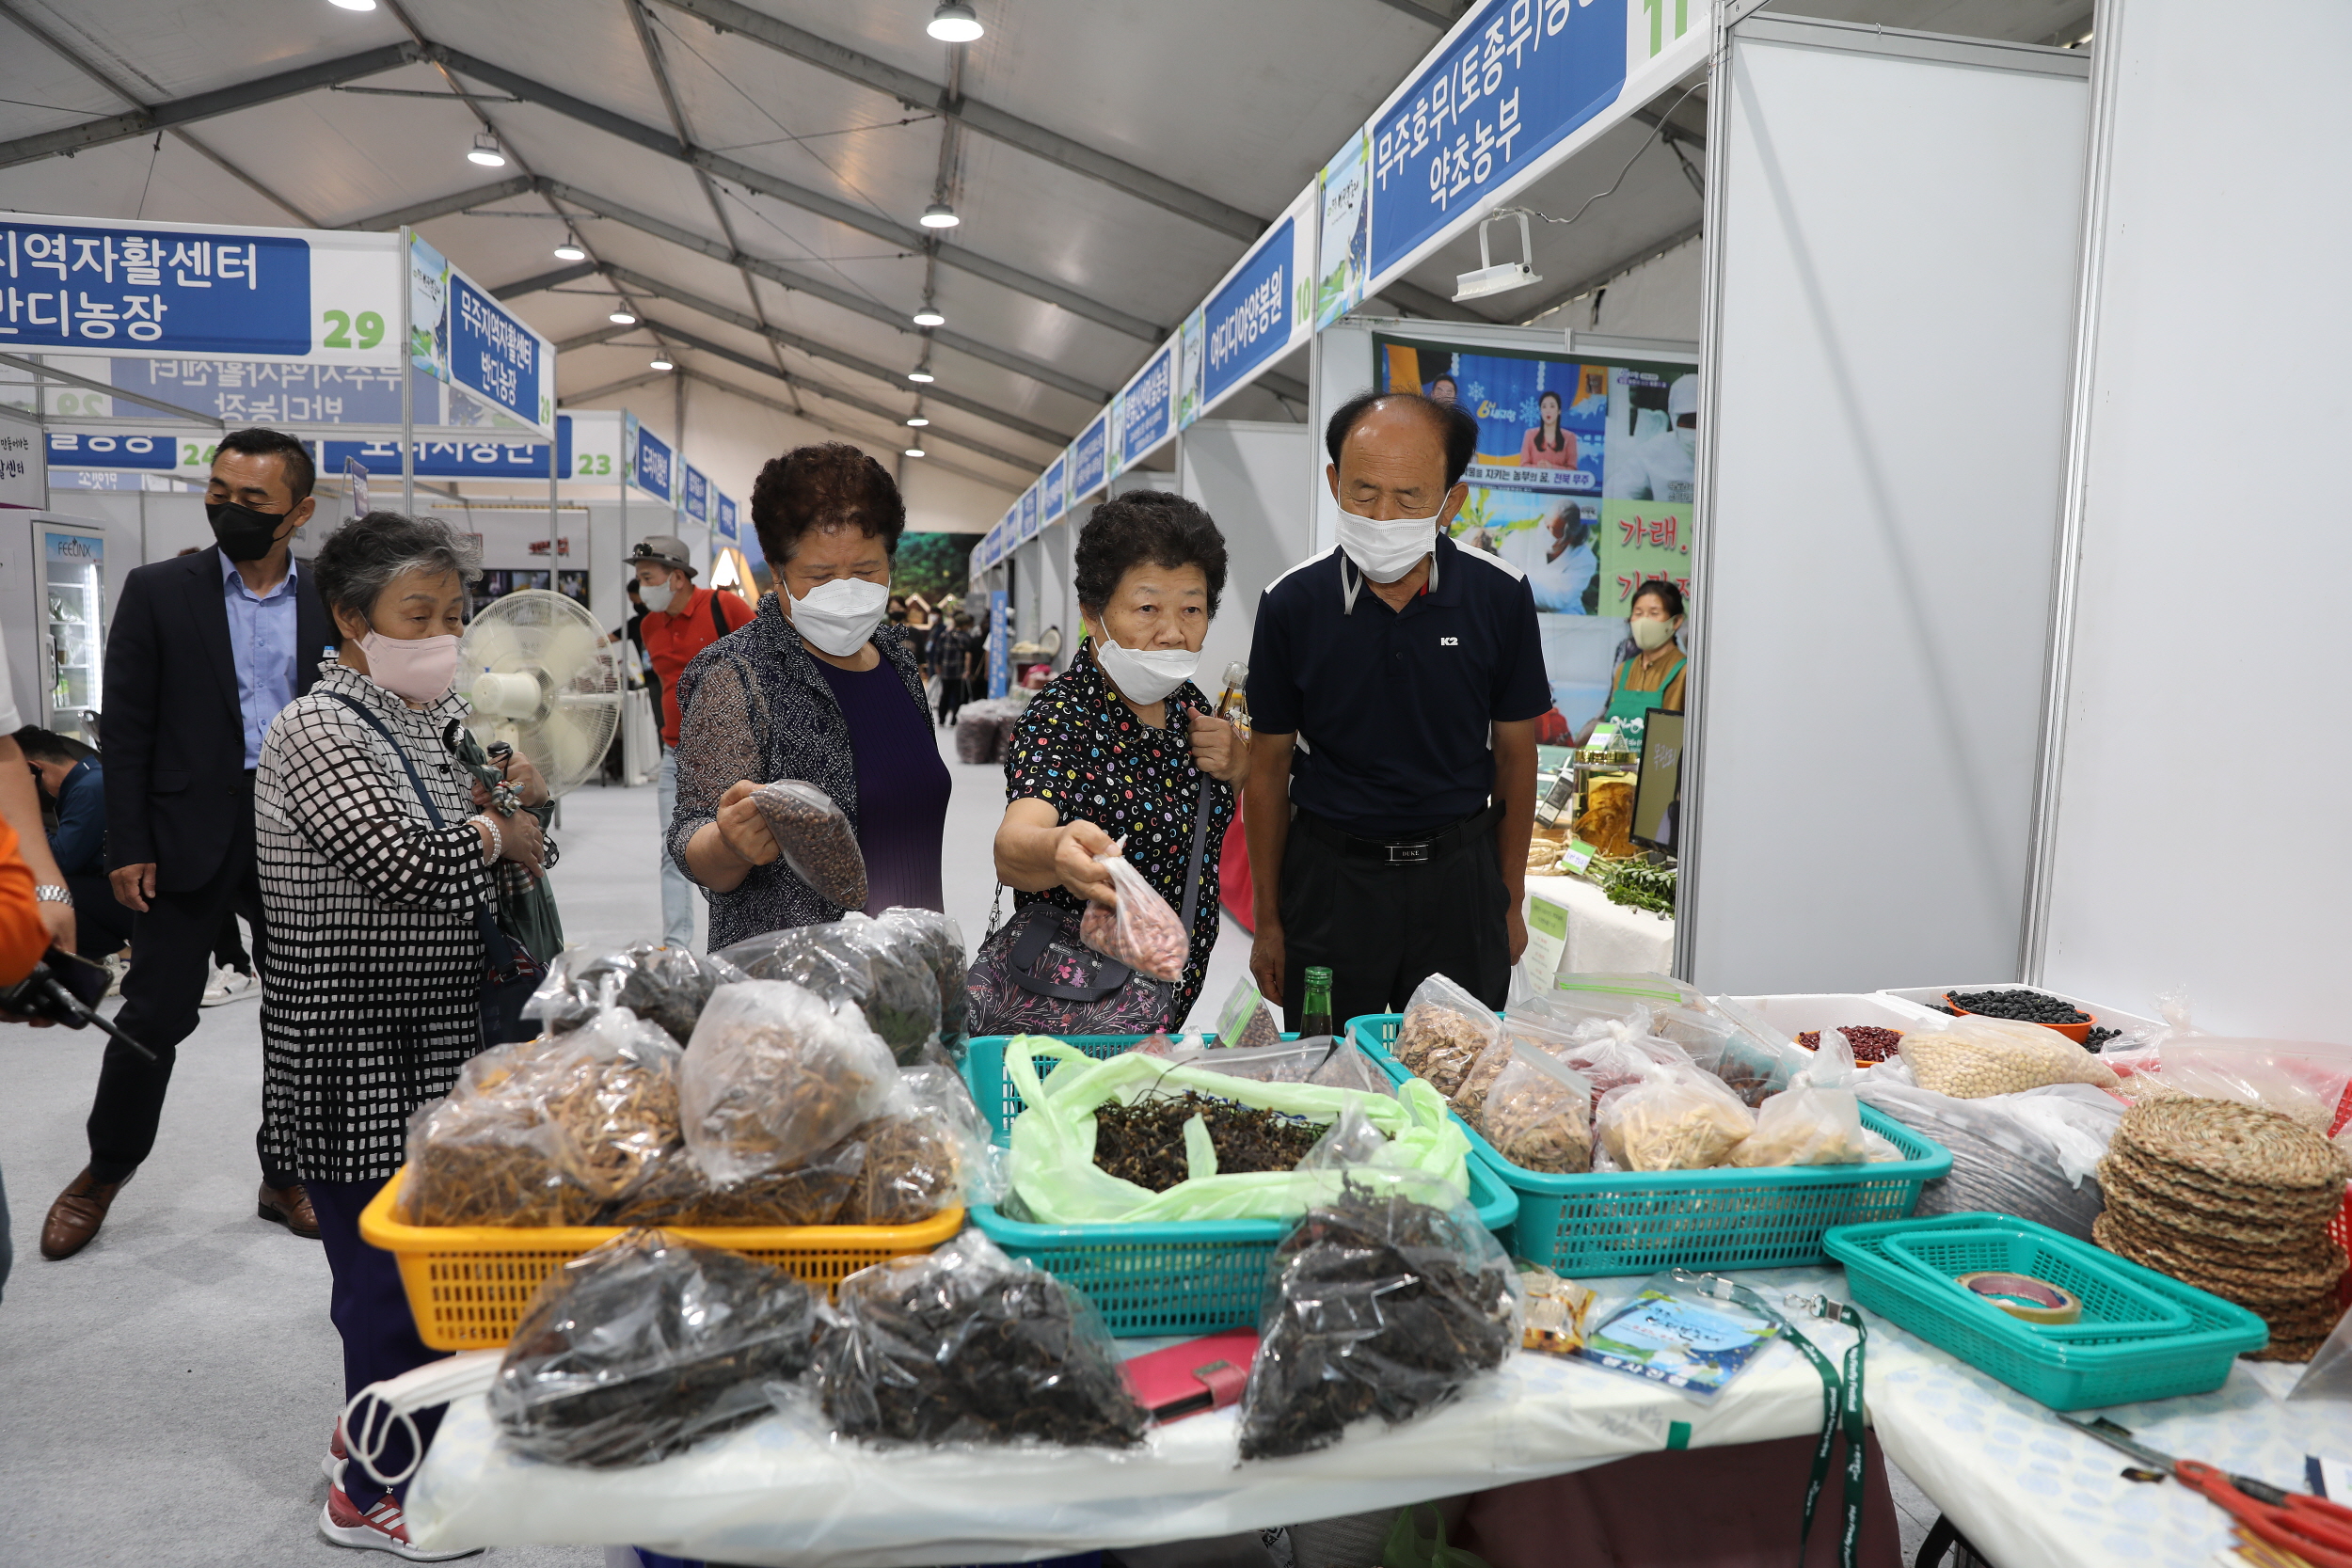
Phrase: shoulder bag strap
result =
(497, 948)
(1199, 846)
(718, 616)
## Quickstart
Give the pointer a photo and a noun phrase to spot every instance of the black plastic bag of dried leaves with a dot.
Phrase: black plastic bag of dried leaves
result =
(1377, 1304)
(633, 1351)
(664, 985)
(880, 966)
(965, 1345)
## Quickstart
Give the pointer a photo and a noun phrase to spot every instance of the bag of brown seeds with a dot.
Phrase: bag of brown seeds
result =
(816, 840)
(1140, 930)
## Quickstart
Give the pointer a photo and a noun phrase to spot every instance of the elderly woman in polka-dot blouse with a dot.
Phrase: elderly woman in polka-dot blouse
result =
(1122, 743)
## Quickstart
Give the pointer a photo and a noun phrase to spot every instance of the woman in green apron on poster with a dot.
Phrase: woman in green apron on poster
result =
(1654, 676)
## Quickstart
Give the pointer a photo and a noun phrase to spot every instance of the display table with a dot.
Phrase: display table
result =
(784, 1492)
(1576, 929)
(2026, 1490)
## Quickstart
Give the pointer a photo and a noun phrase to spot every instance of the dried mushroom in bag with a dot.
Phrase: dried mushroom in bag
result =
(816, 840)
(1443, 1033)
(774, 1073)
(632, 1352)
(941, 942)
(1538, 1115)
(879, 967)
(667, 987)
(1140, 930)
(1376, 1304)
(965, 1345)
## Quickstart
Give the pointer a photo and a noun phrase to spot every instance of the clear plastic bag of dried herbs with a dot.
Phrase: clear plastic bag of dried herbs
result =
(667, 987)
(885, 968)
(633, 1351)
(965, 1345)
(774, 1073)
(941, 942)
(1384, 1302)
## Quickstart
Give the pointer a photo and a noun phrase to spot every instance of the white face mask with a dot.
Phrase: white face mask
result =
(1145, 675)
(1688, 439)
(656, 596)
(838, 616)
(1384, 549)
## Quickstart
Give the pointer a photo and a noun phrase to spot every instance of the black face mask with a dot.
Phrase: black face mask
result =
(245, 534)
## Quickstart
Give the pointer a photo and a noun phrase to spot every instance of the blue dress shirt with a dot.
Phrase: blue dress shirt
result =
(79, 845)
(261, 634)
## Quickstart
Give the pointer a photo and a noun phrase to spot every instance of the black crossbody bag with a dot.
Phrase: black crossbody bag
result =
(509, 973)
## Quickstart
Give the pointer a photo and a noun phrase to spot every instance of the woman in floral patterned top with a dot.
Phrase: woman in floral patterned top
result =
(1123, 744)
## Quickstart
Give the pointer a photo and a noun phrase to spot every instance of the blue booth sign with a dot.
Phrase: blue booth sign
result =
(492, 354)
(444, 459)
(1147, 408)
(722, 509)
(646, 458)
(1087, 473)
(696, 497)
(112, 450)
(1248, 321)
(1057, 498)
(1518, 77)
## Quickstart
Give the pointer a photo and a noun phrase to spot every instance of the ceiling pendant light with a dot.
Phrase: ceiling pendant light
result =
(918, 423)
(930, 317)
(623, 318)
(939, 215)
(571, 250)
(922, 378)
(486, 152)
(954, 22)
(661, 362)
(914, 451)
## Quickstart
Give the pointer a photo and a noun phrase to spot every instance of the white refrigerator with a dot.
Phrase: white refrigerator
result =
(52, 619)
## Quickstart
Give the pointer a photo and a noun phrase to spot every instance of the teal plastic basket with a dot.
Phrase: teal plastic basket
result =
(1638, 1222)
(2063, 1374)
(2114, 1306)
(1190, 1276)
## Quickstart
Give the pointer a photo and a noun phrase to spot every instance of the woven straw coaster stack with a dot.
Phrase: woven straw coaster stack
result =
(2233, 1200)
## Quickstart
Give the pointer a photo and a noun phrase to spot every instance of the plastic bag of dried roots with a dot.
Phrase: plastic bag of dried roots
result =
(928, 1151)
(774, 1073)
(1538, 1115)
(1443, 1033)
(630, 1353)
(1383, 1302)
(664, 985)
(1676, 1118)
(818, 841)
(1140, 930)
(880, 966)
(965, 1345)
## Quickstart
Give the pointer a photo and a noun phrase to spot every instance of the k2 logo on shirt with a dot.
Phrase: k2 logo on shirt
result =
(1449, 642)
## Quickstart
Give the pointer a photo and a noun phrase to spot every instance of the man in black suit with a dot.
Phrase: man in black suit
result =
(204, 652)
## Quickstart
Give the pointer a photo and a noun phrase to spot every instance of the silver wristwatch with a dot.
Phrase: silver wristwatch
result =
(53, 893)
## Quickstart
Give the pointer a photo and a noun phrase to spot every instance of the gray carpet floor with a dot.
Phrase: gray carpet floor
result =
(166, 1395)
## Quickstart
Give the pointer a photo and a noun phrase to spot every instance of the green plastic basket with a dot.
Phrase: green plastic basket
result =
(2114, 1306)
(1638, 1222)
(2064, 1374)
(1190, 1276)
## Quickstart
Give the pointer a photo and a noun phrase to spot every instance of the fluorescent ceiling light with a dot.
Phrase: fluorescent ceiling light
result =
(914, 451)
(939, 215)
(353, 5)
(954, 23)
(924, 377)
(661, 362)
(571, 250)
(486, 152)
(918, 423)
(928, 317)
(623, 318)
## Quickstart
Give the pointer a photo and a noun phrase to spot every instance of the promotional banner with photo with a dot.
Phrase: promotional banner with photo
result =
(1582, 480)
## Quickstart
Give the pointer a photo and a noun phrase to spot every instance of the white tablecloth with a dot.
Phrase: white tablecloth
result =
(1600, 937)
(783, 1492)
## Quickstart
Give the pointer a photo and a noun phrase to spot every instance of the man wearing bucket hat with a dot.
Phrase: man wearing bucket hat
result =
(681, 620)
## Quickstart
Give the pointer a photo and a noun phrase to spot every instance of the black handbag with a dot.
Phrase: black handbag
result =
(509, 973)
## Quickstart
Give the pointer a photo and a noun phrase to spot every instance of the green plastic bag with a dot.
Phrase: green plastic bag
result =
(1053, 1140)
(1409, 1548)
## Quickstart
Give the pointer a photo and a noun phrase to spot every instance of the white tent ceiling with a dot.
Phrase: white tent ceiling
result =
(750, 175)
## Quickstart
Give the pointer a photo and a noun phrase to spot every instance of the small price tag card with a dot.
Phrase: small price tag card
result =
(1576, 856)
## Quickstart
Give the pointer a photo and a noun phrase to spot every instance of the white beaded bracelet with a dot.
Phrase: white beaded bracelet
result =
(498, 840)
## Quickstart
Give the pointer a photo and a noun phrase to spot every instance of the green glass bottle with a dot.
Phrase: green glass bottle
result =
(1314, 1012)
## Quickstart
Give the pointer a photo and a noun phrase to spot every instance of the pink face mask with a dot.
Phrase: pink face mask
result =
(420, 669)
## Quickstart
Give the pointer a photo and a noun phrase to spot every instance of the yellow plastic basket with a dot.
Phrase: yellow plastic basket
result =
(467, 1285)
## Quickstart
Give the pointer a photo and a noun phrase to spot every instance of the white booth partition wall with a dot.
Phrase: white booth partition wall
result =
(1245, 475)
(2192, 834)
(1892, 228)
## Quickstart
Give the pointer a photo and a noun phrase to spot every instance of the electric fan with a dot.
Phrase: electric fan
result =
(541, 677)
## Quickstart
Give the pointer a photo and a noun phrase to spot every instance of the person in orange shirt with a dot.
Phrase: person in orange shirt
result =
(681, 620)
(25, 933)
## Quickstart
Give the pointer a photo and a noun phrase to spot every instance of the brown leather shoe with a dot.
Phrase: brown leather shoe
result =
(290, 1206)
(76, 1216)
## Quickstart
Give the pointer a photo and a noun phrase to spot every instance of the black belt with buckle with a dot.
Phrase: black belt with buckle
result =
(1397, 851)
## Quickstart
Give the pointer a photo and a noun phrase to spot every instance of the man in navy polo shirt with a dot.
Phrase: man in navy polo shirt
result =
(1395, 684)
